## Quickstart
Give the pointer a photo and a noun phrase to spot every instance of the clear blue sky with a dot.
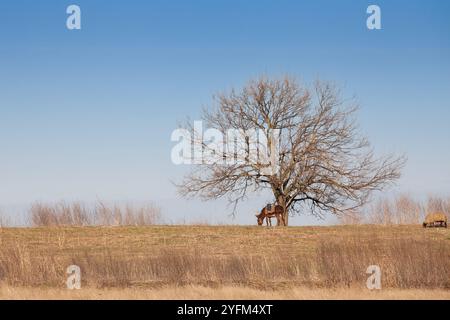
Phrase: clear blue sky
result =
(88, 113)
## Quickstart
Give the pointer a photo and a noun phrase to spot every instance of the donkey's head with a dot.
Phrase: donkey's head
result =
(260, 218)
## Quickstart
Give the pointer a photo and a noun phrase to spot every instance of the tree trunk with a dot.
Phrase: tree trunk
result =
(282, 202)
(286, 217)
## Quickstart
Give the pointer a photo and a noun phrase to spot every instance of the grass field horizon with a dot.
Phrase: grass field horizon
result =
(175, 262)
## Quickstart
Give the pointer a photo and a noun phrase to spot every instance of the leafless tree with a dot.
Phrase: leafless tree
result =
(436, 204)
(322, 162)
(408, 210)
(402, 209)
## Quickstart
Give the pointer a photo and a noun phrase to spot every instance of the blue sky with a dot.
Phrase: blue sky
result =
(87, 114)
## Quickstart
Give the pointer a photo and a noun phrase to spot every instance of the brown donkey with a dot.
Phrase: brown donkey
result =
(276, 211)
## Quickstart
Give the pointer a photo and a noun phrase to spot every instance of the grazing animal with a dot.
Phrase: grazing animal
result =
(437, 219)
(268, 212)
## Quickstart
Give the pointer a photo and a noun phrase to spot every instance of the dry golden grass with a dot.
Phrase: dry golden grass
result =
(225, 261)
(221, 293)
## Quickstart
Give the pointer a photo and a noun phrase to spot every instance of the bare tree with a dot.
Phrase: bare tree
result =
(320, 163)
(435, 204)
(408, 210)
(402, 209)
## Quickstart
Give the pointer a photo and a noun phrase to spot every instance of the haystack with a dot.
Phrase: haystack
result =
(436, 219)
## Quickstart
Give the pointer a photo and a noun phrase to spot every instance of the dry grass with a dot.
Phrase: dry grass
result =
(222, 293)
(248, 257)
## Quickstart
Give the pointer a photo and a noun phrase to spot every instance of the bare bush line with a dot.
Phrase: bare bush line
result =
(405, 263)
(101, 214)
(403, 209)
(4, 221)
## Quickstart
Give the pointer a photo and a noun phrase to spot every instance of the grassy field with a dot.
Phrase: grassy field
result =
(225, 262)
(221, 293)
